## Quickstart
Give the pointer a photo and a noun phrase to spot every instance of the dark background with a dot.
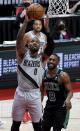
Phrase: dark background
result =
(8, 30)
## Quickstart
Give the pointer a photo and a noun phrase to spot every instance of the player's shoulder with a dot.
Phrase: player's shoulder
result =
(27, 34)
(64, 76)
(44, 35)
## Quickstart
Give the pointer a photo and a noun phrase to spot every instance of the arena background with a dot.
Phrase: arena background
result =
(69, 51)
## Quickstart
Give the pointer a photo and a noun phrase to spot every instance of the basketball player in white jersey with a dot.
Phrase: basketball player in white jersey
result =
(37, 27)
(30, 70)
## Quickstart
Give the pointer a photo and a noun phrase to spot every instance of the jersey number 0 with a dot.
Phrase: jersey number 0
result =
(35, 71)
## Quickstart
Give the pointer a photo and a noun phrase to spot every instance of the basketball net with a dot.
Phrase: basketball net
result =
(58, 7)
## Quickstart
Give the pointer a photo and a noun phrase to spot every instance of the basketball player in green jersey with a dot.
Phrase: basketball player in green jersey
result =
(59, 93)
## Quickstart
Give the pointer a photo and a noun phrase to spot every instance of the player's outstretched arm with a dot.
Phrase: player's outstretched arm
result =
(26, 39)
(50, 44)
(20, 50)
(48, 50)
(46, 23)
(72, 10)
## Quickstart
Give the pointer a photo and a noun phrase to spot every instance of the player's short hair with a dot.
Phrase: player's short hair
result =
(37, 20)
(56, 56)
(35, 38)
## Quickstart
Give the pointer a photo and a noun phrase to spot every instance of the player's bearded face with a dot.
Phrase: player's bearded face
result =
(51, 66)
(37, 26)
(34, 45)
(33, 50)
(52, 63)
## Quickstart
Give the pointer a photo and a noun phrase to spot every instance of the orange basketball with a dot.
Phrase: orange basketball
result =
(35, 11)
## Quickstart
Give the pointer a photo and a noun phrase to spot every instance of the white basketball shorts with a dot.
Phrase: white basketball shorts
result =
(27, 100)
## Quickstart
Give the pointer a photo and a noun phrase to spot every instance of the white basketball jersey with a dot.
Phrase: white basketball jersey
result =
(41, 39)
(31, 70)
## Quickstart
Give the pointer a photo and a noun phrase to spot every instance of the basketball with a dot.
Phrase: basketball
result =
(35, 11)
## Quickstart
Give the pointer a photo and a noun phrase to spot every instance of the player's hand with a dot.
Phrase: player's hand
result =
(78, 3)
(67, 104)
(23, 14)
(26, 16)
(46, 22)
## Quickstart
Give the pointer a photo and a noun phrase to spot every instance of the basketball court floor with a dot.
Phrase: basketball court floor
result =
(73, 125)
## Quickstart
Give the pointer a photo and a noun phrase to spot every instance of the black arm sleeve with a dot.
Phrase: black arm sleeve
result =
(18, 21)
(50, 45)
